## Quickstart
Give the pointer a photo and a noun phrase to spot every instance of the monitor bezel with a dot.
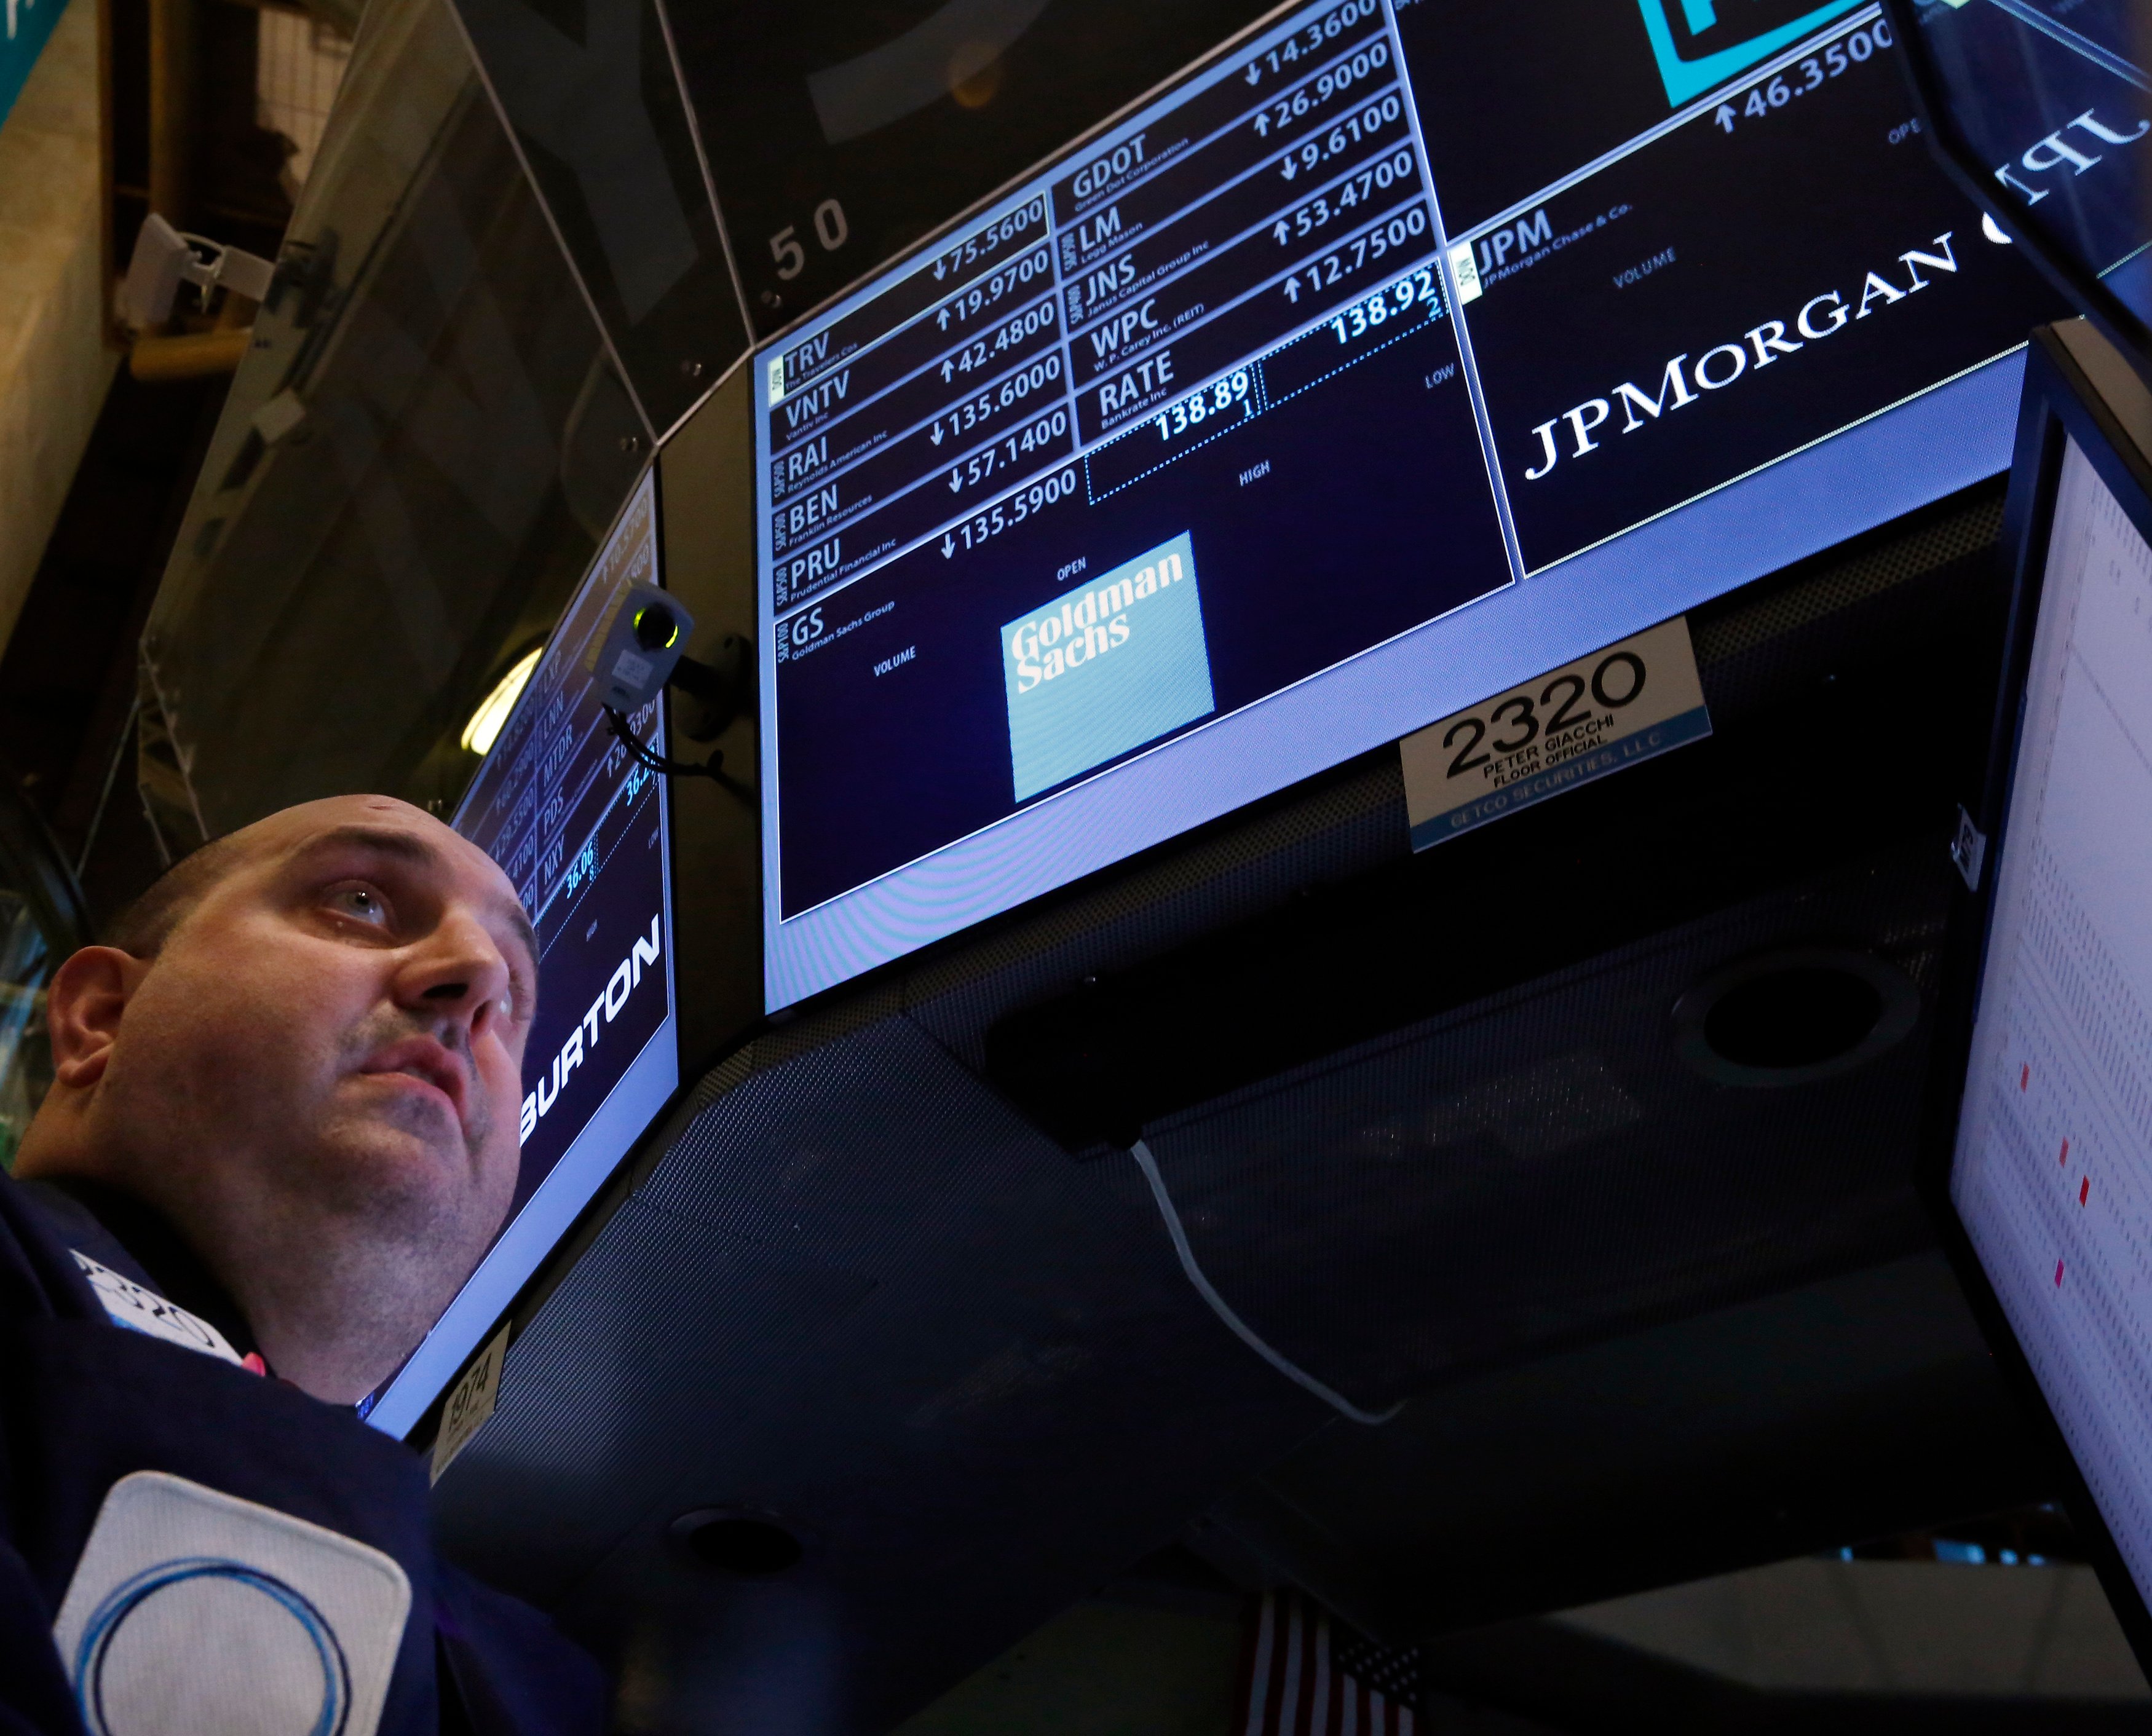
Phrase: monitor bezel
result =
(415, 1419)
(2062, 403)
(789, 1003)
(2131, 336)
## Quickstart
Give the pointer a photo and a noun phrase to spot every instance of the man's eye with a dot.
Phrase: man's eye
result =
(360, 903)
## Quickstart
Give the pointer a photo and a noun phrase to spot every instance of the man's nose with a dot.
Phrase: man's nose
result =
(456, 972)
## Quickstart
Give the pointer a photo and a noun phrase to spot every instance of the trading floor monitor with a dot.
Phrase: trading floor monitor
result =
(2044, 1130)
(1393, 354)
(1386, 356)
(582, 831)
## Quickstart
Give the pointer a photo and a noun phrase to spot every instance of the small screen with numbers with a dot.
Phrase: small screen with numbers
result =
(2052, 1164)
(581, 830)
(1393, 355)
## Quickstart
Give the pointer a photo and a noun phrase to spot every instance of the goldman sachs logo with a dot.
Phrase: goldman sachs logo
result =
(626, 979)
(1042, 649)
(1574, 434)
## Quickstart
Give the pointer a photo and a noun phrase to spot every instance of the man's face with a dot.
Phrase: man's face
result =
(335, 1032)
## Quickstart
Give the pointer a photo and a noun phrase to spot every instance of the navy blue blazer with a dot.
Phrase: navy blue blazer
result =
(85, 1402)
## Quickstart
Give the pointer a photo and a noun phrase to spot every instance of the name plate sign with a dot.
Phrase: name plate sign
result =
(1615, 708)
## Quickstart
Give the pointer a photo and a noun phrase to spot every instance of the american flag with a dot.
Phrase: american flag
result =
(1309, 1675)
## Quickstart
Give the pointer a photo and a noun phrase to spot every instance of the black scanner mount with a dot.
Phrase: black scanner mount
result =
(643, 651)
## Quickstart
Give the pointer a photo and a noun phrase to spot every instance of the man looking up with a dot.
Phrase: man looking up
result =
(281, 1131)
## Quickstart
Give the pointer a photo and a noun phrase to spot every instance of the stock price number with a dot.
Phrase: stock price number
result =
(982, 351)
(976, 300)
(1297, 224)
(992, 460)
(1377, 244)
(1363, 123)
(1817, 69)
(1313, 95)
(975, 411)
(1026, 503)
(991, 240)
(1387, 305)
(1220, 397)
(1324, 30)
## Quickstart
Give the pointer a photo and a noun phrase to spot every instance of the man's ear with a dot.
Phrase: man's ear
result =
(83, 1008)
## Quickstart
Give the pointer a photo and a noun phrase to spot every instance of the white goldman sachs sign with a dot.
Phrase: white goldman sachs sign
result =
(1574, 434)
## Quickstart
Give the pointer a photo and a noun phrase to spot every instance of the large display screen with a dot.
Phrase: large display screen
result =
(581, 830)
(2053, 1173)
(1392, 357)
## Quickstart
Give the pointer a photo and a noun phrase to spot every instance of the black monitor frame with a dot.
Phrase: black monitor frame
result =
(2077, 387)
(1974, 175)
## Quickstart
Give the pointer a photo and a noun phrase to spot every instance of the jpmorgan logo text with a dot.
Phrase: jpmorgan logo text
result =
(1583, 429)
(2075, 147)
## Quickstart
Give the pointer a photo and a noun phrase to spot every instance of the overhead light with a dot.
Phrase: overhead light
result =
(484, 727)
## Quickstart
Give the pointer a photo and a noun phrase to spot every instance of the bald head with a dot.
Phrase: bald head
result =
(142, 926)
(305, 1047)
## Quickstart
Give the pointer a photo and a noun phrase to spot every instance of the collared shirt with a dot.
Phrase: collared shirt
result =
(147, 1278)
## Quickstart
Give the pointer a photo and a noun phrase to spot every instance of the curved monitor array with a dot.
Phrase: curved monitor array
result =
(1384, 360)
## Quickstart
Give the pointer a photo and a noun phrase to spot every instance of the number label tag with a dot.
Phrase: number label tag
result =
(1613, 709)
(469, 1404)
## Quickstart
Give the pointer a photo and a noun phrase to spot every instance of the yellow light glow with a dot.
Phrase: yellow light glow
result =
(484, 727)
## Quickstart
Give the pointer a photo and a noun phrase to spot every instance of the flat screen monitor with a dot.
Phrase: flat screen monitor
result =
(582, 831)
(2044, 1131)
(1391, 356)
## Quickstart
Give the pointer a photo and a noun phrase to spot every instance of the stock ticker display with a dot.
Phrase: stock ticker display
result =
(581, 830)
(1383, 313)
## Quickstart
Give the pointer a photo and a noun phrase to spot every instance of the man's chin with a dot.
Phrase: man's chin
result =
(394, 1162)
(404, 1154)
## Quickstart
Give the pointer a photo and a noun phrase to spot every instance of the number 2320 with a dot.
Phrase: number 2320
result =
(1617, 682)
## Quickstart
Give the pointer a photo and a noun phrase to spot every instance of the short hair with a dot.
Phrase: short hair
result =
(153, 916)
